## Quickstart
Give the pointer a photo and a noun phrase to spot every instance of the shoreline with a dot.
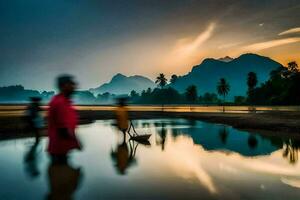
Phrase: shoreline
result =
(277, 123)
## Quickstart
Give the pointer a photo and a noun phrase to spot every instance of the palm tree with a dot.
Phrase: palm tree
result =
(223, 88)
(251, 82)
(191, 94)
(161, 80)
(293, 67)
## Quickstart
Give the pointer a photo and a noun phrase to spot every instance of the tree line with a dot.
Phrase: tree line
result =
(280, 89)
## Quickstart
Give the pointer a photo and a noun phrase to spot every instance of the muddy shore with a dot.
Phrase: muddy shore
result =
(283, 123)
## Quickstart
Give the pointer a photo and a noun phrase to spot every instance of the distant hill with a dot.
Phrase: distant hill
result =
(207, 74)
(121, 84)
(226, 59)
(18, 94)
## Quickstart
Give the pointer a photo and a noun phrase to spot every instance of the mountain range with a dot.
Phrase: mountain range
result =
(207, 74)
(121, 84)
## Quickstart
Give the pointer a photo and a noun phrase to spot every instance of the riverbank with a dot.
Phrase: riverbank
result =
(268, 122)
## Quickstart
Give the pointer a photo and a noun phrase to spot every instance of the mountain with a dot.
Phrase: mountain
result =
(121, 84)
(226, 59)
(207, 74)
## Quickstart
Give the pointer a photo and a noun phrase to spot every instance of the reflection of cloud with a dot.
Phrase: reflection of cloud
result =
(184, 157)
(291, 182)
(289, 31)
(270, 44)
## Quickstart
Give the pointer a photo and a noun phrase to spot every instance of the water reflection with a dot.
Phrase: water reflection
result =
(161, 135)
(186, 159)
(290, 150)
(63, 180)
(124, 155)
(31, 160)
(223, 134)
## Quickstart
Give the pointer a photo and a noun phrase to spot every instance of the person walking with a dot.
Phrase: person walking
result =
(62, 121)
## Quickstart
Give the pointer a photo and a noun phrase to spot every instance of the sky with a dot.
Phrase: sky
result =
(95, 39)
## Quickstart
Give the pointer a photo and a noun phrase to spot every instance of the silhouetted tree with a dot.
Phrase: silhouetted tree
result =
(161, 80)
(174, 78)
(239, 100)
(223, 88)
(209, 98)
(293, 67)
(191, 94)
(281, 89)
(251, 82)
(133, 94)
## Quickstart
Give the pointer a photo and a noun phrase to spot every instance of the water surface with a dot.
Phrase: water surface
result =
(185, 159)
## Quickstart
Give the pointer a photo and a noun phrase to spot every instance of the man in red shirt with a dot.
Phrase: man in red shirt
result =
(62, 120)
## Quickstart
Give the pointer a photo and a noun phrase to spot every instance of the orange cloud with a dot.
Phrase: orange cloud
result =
(270, 44)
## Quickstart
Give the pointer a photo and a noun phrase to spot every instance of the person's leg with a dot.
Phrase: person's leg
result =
(124, 135)
(37, 134)
(59, 158)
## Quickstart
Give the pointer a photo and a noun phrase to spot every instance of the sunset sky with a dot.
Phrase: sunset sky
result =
(95, 39)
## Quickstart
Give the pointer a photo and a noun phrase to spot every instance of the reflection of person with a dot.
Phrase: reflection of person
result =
(34, 117)
(123, 156)
(122, 116)
(63, 180)
(62, 120)
(30, 160)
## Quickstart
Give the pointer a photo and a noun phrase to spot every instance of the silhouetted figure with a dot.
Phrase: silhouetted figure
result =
(223, 134)
(62, 120)
(122, 116)
(63, 180)
(34, 118)
(123, 156)
(30, 161)
(252, 142)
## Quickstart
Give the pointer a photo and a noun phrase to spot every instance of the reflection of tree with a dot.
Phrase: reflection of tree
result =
(290, 150)
(223, 134)
(145, 125)
(30, 160)
(192, 122)
(162, 132)
(252, 141)
(175, 132)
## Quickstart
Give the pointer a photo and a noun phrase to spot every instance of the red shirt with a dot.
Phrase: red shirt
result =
(61, 114)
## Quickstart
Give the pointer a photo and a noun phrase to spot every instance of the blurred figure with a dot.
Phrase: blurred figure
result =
(30, 160)
(62, 120)
(34, 117)
(63, 181)
(122, 116)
